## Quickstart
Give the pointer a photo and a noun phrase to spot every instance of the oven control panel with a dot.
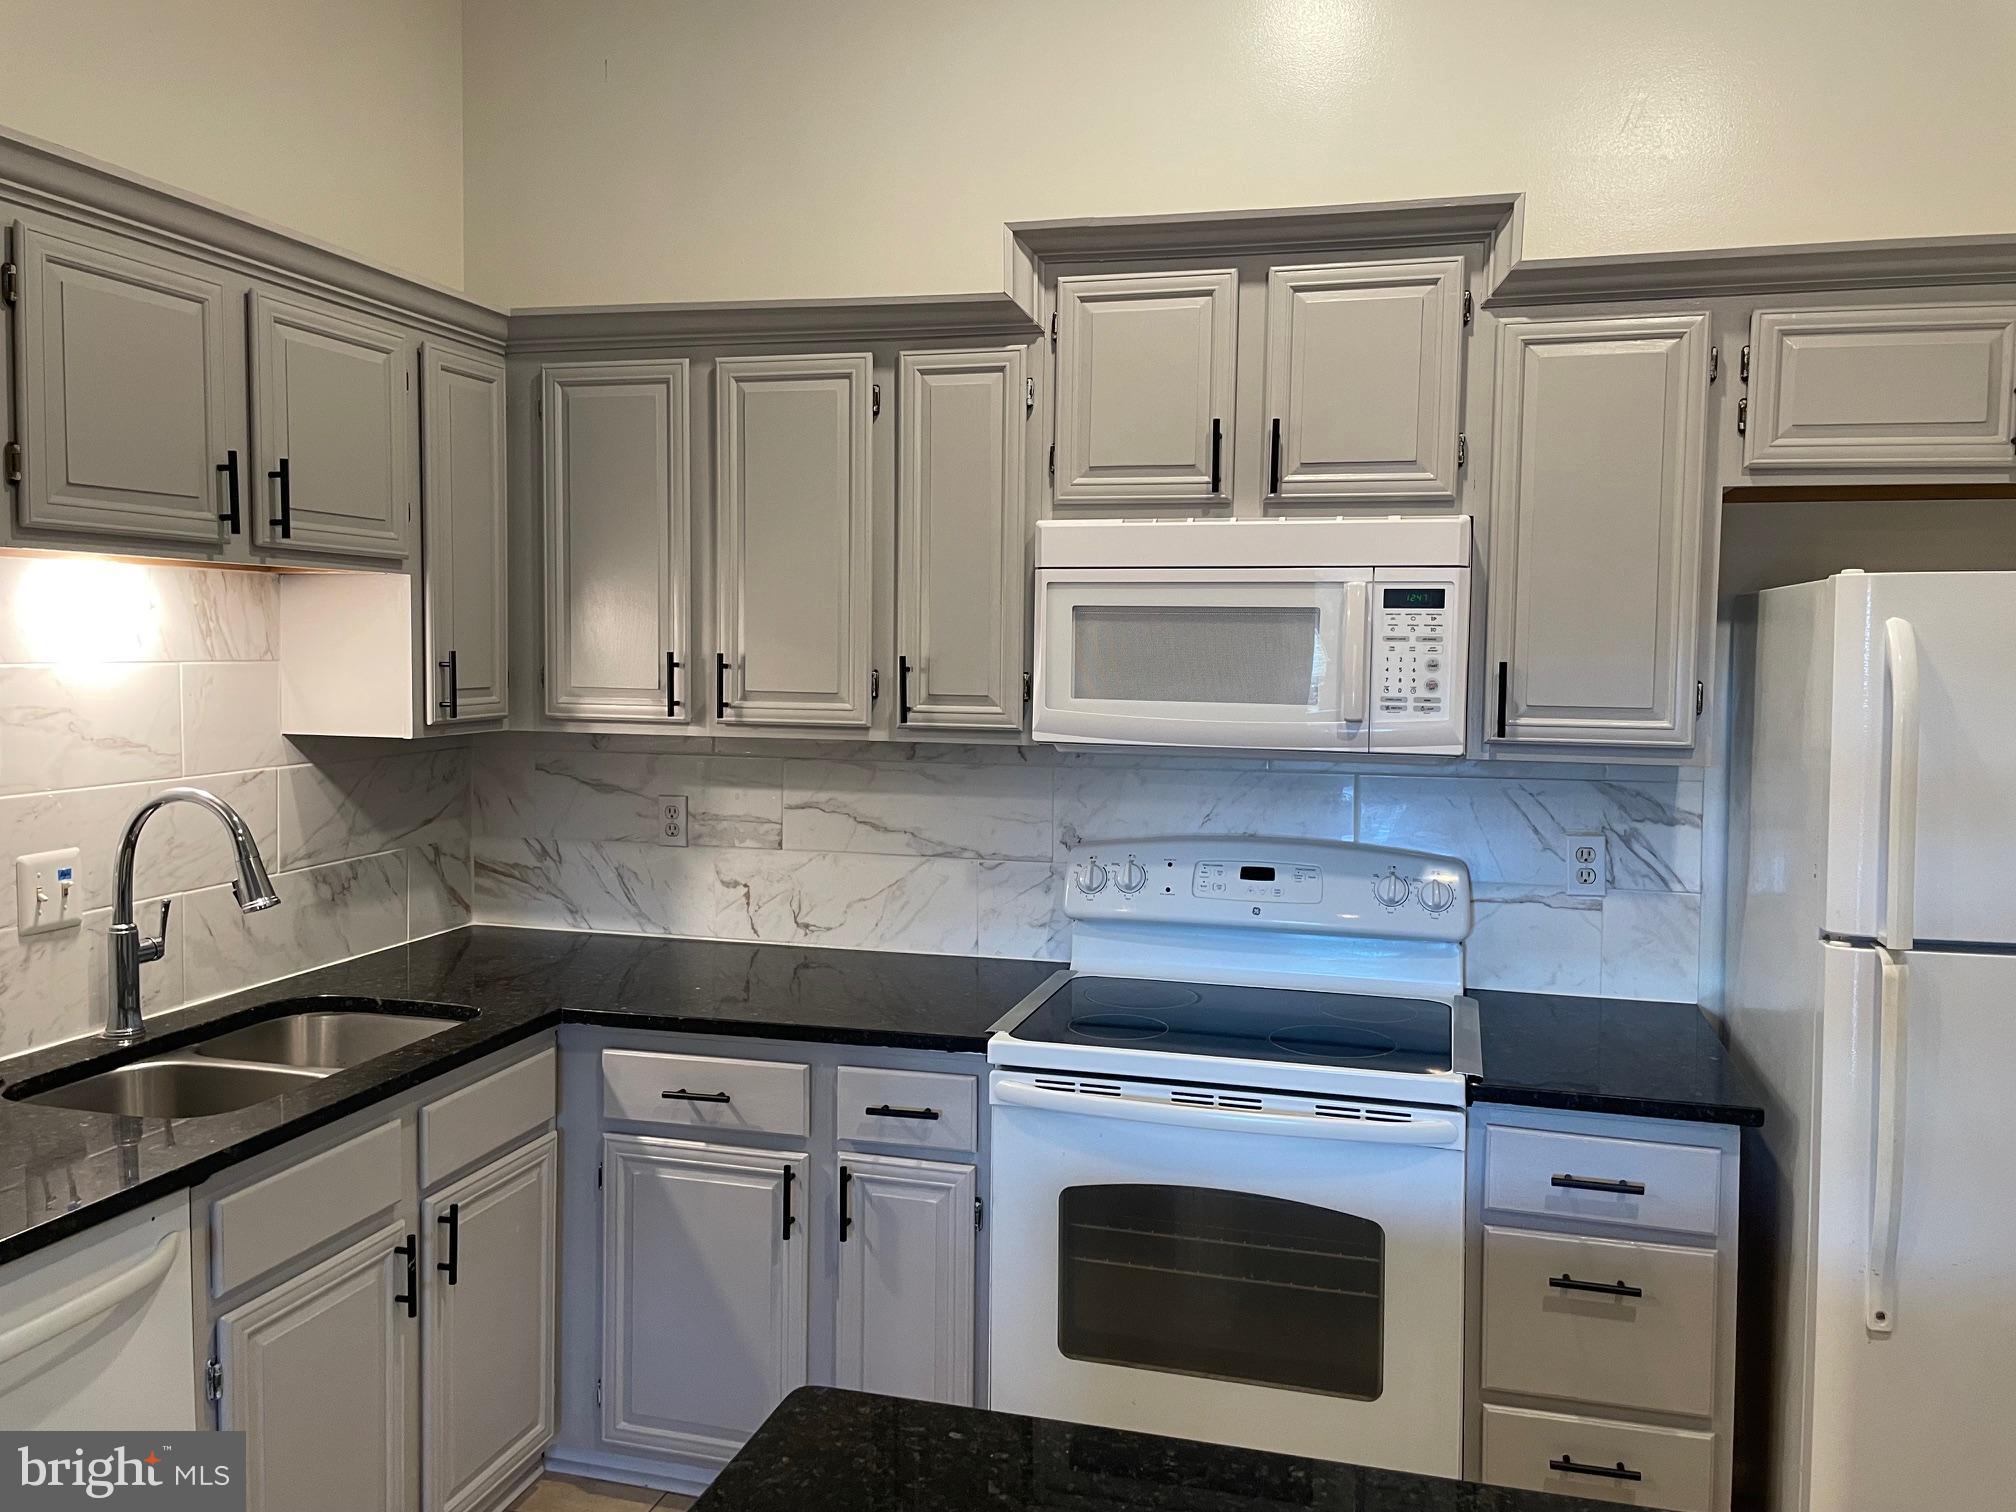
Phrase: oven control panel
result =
(1266, 881)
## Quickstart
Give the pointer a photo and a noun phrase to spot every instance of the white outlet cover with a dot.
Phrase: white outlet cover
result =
(672, 820)
(1588, 866)
(48, 894)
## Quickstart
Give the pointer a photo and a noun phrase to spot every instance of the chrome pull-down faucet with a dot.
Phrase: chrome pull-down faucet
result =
(130, 950)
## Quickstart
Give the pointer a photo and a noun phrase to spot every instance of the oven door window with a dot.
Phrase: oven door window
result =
(1227, 1285)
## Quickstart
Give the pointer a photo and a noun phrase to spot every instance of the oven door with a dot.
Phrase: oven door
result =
(1267, 658)
(1283, 1273)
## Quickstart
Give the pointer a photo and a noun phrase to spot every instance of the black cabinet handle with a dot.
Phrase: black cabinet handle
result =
(1504, 673)
(884, 1110)
(846, 1218)
(720, 685)
(1217, 451)
(790, 1177)
(671, 684)
(1565, 1282)
(682, 1095)
(452, 1266)
(411, 1296)
(452, 704)
(1619, 1472)
(229, 467)
(1598, 1184)
(1274, 466)
(284, 521)
(902, 690)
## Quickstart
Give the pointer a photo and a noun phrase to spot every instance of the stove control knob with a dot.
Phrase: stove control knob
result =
(1133, 877)
(1438, 896)
(1391, 889)
(1091, 878)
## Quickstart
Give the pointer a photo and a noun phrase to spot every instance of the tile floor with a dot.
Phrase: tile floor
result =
(568, 1493)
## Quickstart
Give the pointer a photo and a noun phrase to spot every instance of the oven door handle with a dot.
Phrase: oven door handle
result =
(1422, 1126)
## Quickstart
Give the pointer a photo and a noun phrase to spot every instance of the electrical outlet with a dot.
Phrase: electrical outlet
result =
(1588, 866)
(672, 817)
(46, 892)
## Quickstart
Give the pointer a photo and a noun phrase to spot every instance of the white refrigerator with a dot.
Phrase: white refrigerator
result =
(1871, 987)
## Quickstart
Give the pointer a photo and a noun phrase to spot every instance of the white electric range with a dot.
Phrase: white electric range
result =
(1229, 1152)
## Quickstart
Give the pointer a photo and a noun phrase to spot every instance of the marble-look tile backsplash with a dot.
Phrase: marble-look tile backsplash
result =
(117, 680)
(960, 849)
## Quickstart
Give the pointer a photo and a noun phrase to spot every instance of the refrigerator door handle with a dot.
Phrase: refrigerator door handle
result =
(1900, 845)
(1879, 1278)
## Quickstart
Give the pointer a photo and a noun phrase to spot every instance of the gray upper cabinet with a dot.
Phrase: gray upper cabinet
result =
(331, 410)
(1877, 389)
(1145, 383)
(462, 479)
(618, 541)
(960, 540)
(126, 380)
(1597, 521)
(793, 523)
(1364, 373)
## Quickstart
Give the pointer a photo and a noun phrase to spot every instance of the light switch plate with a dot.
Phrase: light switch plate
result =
(1588, 866)
(672, 816)
(46, 891)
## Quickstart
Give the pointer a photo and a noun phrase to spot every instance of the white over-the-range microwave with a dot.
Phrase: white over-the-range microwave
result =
(1271, 635)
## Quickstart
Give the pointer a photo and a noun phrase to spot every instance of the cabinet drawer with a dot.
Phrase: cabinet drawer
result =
(1674, 1468)
(929, 1108)
(1548, 1330)
(1595, 1178)
(290, 1212)
(705, 1092)
(460, 1129)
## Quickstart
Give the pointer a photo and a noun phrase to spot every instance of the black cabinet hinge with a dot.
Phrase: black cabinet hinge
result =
(875, 401)
(10, 456)
(979, 1211)
(874, 684)
(1743, 416)
(1743, 366)
(1028, 397)
(213, 1381)
(1028, 687)
(1714, 363)
(1469, 307)
(1053, 461)
(598, 1177)
(1053, 328)
(1700, 698)
(10, 282)
(1462, 449)
(598, 1391)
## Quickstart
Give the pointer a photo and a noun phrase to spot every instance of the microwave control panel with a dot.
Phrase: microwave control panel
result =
(1420, 646)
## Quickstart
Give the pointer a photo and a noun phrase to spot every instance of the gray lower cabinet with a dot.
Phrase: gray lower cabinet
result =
(128, 391)
(960, 534)
(463, 506)
(794, 550)
(321, 1373)
(487, 1354)
(703, 1293)
(332, 398)
(1599, 512)
(905, 1323)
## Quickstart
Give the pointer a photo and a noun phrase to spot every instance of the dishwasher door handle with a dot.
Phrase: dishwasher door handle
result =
(95, 1303)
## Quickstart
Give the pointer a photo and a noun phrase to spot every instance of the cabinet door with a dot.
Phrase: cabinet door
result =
(703, 1293)
(487, 1367)
(1913, 386)
(1145, 387)
(906, 1278)
(794, 559)
(1364, 366)
(960, 602)
(123, 377)
(319, 1374)
(331, 404)
(1596, 521)
(619, 550)
(462, 507)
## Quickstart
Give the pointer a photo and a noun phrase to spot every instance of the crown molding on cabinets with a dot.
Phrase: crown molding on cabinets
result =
(1904, 262)
(43, 176)
(607, 328)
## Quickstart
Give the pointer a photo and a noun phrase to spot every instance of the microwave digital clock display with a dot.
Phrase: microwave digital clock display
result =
(1414, 598)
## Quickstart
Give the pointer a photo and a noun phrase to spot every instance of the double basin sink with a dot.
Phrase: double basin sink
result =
(236, 1068)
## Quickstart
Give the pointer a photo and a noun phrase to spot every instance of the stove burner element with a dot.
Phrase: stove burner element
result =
(1118, 1026)
(1122, 992)
(1333, 1039)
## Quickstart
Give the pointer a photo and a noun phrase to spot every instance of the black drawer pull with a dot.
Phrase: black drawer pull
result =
(1274, 465)
(846, 1216)
(682, 1095)
(790, 1221)
(671, 684)
(721, 705)
(229, 467)
(884, 1110)
(452, 1266)
(902, 690)
(1217, 452)
(411, 1296)
(1620, 1471)
(284, 521)
(1566, 1282)
(1598, 1184)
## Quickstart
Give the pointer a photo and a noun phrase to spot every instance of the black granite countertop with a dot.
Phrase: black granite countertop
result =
(828, 1450)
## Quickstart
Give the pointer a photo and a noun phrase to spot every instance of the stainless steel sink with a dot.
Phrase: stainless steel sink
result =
(322, 1040)
(176, 1086)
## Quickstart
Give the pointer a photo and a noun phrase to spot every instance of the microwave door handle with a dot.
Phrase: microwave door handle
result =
(1356, 658)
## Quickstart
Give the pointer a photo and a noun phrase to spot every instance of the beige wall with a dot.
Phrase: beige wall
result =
(338, 118)
(646, 149)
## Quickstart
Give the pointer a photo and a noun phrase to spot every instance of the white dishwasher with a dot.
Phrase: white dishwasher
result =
(98, 1330)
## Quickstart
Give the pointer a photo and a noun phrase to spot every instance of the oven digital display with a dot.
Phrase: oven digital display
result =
(1415, 598)
(1256, 874)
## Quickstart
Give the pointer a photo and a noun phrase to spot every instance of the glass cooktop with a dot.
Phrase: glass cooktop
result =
(1405, 1035)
